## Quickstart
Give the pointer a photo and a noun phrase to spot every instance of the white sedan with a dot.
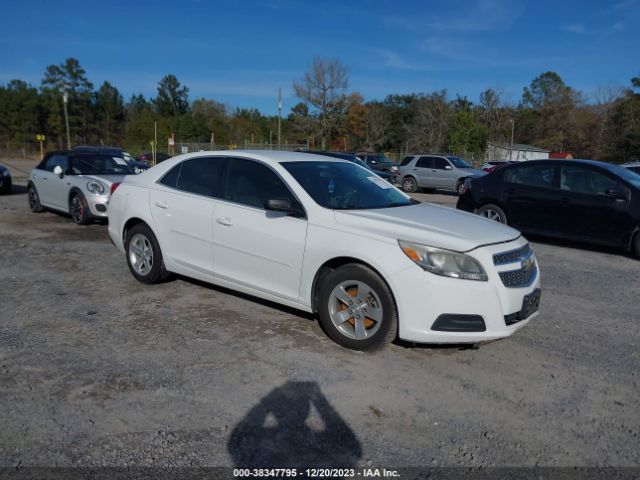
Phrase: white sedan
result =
(327, 236)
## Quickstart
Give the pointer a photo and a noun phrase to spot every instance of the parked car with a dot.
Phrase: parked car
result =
(378, 161)
(323, 235)
(430, 172)
(581, 200)
(633, 166)
(389, 177)
(147, 157)
(76, 182)
(137, 165)
(5, 180)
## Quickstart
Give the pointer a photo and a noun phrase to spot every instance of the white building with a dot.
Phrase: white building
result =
(520, 152)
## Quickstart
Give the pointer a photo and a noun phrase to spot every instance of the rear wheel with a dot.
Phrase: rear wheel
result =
(493, 212)
(409, 184)
(144, 256)
(460, 186)
(79, 209)
(356, 308)
(34, 200)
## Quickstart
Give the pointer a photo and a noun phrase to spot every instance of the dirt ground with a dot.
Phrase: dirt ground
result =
(98, 369)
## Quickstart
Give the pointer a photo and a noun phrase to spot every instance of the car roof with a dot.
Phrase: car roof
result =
(267, 156)
(342, 155)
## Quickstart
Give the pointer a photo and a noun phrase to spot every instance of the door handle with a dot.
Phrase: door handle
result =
(163, 205)
(226, 221)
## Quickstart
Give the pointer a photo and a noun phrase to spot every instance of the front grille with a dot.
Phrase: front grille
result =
(521, 277)
(512, 256)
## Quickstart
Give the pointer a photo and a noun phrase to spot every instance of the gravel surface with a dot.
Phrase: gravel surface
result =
(98, 369)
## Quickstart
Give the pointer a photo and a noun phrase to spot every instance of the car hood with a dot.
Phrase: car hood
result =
(428, 224)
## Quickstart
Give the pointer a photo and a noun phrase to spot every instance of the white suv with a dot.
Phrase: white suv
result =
(446, 172)
(327, 236)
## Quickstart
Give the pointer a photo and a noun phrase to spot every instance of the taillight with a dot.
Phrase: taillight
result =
(114, 186)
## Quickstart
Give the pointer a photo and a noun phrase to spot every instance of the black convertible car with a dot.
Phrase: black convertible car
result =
(580, 200)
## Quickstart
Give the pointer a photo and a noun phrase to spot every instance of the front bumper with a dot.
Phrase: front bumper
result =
(98, 205)
(423, 297)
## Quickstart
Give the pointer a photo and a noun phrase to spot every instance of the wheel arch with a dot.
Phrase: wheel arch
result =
(132, 222)
(333, 264)
(73, 191)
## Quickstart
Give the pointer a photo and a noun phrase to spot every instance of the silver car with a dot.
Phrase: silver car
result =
(77, 183)
(444, 172)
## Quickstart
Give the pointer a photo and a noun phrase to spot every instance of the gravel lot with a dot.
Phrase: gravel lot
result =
(98, 369)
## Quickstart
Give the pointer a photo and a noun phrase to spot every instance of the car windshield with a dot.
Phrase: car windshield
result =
(100, 165)
(345, 186)
(459, 163)
(625, 173)
(362, 163)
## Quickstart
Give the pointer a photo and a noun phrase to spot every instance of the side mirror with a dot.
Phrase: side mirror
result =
(283, 205)
(57, 170)
(448, 167)
(615, 193)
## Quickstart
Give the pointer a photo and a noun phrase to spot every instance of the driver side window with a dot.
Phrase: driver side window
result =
(439, 163)
(252, 183)
(56, 160)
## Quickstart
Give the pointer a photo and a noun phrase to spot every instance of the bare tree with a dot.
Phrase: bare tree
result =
(605, 100)
(376, 126)
(323, 87)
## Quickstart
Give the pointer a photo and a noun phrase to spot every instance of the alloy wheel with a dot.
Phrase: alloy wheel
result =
(355, 309)
(141, 254)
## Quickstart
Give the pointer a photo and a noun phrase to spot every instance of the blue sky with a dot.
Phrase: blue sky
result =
(240, 52)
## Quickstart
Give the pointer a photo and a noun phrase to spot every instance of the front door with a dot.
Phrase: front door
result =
(253, 246)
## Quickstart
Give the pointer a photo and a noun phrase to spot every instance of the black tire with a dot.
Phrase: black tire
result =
(493, 212)
(157, 273)
(409, 184)
(379, 298)
(34, 199)
(79, 209)
(635, 245)
(460, 186)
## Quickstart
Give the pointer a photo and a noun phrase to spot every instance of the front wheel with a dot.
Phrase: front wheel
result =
(144, 256)
(460, 187)
(409, 184)
(356, 308)
(493, 212)
(34, 200)
(79, 210)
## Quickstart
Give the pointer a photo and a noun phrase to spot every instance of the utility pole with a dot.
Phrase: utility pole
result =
(65, 100)
(279, 116)
(511, 147)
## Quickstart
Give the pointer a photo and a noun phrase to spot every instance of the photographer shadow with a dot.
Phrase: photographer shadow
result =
(294, 426)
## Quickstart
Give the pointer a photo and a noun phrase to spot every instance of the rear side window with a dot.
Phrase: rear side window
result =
(170, 178)
(531, 175)
(202, 176)
(252, 183)
(55, 160)
(424, 162)
(405, 161)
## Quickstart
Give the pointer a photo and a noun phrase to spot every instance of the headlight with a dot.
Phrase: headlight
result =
(95, 187)
(444, 262)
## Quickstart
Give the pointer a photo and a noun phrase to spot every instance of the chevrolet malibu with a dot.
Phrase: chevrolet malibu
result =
(329, 237)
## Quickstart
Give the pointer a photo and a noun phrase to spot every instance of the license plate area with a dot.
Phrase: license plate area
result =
(530, 305)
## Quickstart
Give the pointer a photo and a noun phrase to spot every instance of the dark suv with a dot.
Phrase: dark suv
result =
(389, 177)
(580, 200)
(379, 162)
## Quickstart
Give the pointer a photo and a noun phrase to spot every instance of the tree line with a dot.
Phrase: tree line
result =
(550, 114)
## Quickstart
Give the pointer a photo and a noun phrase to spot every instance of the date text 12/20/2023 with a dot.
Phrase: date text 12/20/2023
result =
(315, 473)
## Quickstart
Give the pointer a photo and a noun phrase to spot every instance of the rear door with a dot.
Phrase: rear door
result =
(253, 246)
(182, 204)
(53, 190)
(532, 198)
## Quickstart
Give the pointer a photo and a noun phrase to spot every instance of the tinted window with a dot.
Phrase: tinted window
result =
(170, 178)
(459, 162)
(439, 163)
(424, 162)
(253, 183)
(532, 175)
(202, 176)
(99, 165)
(634, 169)
(344, 186)
(405, 161)
(584, 180)
(55, 160)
